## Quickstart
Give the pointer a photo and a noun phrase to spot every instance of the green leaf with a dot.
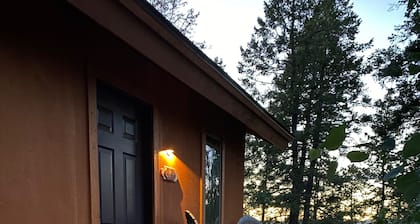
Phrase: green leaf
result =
(332, 167)
(393, 173)
(357, 156)
(335, 138)
(412, 147)
(408, 184)
(388, 144)
(314, 154)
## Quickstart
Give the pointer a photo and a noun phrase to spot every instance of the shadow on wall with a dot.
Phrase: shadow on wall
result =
(173, 198)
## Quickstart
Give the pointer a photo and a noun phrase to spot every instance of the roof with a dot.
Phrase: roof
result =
(138, 24)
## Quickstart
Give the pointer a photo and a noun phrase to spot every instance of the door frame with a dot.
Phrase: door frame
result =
(95, 207)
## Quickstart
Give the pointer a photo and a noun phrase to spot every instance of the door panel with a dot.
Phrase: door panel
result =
(107, 184)
(130, 186)
(119, 144)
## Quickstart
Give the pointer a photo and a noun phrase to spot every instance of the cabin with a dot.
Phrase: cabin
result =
(110, 115)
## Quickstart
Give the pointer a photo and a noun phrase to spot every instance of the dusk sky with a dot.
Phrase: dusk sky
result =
(226, 25)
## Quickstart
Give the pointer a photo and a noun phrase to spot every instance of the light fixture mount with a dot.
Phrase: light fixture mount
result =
(169, 174)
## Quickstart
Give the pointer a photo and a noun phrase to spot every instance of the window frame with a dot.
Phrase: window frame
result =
(203, 176)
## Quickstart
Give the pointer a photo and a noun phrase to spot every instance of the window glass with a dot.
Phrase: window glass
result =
(213, 180)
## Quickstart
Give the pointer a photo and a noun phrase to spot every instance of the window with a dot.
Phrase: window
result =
(212, 180)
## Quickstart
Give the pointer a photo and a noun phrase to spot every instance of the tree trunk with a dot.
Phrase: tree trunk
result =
(383, 196)
(308, 193)
(263, 207)
(296, 172)
(312, 168)
(296, 183)
(314, 215)
(351, 204)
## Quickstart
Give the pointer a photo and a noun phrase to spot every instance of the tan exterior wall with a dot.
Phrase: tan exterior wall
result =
(44, 174)
(44, 142)
(181, 118)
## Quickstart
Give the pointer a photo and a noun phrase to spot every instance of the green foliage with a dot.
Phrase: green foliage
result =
(180, 15)
(332, 167)
(176, 11)
(335, 138)
(219, 62)
(308, 47)
(407, 178)
(264, 175)
(398, 114)
(400, 66)
(408, 184)
(357, 156)
(314, 154)
(412, 147)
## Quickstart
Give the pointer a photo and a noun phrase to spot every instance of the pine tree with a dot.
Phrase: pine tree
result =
(398, 115)
(334, 72)
(263, 171)
(182, 17)
(309, 49)
(176, 12)
(273, 47)
(401, 66)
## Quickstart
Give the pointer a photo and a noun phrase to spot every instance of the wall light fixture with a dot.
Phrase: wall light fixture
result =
(168, 172)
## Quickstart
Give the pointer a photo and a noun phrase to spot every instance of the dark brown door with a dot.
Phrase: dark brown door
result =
(120, 146)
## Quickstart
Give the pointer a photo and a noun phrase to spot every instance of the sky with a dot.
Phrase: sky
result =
(226, 25)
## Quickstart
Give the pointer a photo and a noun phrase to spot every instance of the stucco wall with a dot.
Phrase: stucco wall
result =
(44, 146)
(43, 139)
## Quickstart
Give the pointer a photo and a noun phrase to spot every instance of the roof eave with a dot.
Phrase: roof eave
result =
(130, 19)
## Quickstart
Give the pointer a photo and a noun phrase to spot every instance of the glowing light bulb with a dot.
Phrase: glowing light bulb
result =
(168, 155)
